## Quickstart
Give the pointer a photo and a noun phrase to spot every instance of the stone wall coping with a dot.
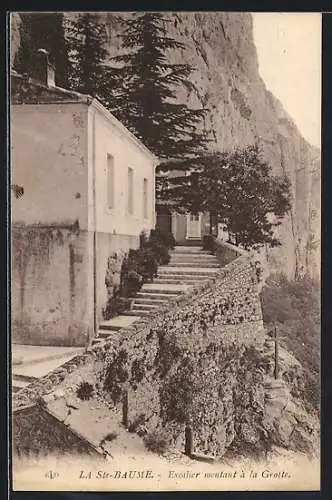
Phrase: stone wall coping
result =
(232, 247)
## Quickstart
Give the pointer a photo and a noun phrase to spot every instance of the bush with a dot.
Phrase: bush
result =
(140, 266)
(164, 238)
(157, 441)
(137, 423)
(209, 243)
(137, 371)
(85, 391)
(294, 306)
(115, 306)
(116, 374)
(109, 437)
(157, 244)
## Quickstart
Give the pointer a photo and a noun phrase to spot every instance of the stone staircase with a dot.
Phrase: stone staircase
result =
(188, 266)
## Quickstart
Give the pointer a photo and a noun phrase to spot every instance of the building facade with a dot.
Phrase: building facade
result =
(83, 191)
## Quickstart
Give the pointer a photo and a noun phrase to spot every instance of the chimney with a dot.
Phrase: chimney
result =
(43, 70)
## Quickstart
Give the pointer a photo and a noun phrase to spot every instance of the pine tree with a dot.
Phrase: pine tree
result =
(42, 31)
(144, 89)
(87, 53)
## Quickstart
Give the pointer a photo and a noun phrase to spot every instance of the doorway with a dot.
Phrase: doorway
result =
(194, 226)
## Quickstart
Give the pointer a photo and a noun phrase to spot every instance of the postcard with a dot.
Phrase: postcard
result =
(165, 251)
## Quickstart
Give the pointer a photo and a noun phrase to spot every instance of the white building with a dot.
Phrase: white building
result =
(85, 176)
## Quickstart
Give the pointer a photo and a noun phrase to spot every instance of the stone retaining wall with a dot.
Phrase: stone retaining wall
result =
(211, 328)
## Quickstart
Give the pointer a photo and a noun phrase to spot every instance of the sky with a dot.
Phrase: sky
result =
(289, 56)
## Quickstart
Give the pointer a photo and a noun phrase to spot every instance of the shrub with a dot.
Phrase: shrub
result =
(137, 423)
(164, 238)
(169, 352)
(209, 243)
(157, 441)
(116, 374)
(139, 267)
(115, 306)
(159, 244)
(147, 263)
(137, 371)
(85, 391)
(109, 437)
(294, 306)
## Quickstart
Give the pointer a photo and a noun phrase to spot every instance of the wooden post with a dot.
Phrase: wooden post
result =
(125, 409)
(188, 447)
(276, 353)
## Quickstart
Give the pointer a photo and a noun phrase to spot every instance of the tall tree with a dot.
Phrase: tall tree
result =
(239, 188)
(143, 93)
(42, 31)
(87, 54)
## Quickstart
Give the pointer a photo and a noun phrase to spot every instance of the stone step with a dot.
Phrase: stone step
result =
(158, 296)
(194, 271)
(178, 281)
(193, 264)
(97, 340)
(184, 277)
(152, 301)
(116, 323)
(164, 288)
(137, 313)
(144, 307)
(105, 334)
(188, 270)
(188, 249)
(192, 256)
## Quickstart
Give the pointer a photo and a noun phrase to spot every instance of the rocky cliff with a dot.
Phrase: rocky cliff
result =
(226, 81)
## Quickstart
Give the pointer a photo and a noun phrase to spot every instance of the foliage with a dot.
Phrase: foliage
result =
(164, 238)
(239, 189)
(116, 374)
(177, 393)
(87, 54)
(294, 305)
(248, 401)
(109, 437)
(222, 384)
(157, 441)
(141, 265)
(168, 352)
(137, 372)
(115, 305)
(144, 89)
(137, 423)
(209, 243)
(85, 391)
(138, 267)
(157, 244)
(42, 31)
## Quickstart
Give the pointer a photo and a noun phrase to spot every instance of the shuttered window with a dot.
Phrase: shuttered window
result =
(110, 181)
(130, 190)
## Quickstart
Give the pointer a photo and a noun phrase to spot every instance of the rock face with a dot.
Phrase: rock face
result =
(241, 110)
